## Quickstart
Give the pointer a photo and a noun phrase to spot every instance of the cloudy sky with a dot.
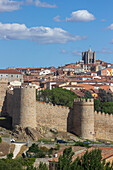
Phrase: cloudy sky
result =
(36, 33)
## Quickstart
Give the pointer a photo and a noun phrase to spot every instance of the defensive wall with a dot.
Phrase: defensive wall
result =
(81, 120)
(21, 106)
(52, 116)
(103, 126)
(3, 88)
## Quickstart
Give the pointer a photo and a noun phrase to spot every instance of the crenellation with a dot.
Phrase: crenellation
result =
(80, 100)
(82, 120)
(88, 100)
(102, 113)
(95, 112)
(99, 113)
(76, 100)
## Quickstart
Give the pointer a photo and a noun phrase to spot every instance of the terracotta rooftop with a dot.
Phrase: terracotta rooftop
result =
(29, 68)
(78, 93)
(9, 71)
(80, 151)
(72, 66)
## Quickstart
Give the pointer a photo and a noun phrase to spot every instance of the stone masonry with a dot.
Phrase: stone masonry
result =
(3, 88)
(81, 120)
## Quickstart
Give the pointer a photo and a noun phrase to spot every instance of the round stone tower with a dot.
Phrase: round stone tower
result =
(83, 118)
(24, 103)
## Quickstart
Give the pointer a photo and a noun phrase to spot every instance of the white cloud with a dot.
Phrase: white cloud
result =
(42, 35)
(29, 2)
(81, 16)
(9, 5)
(63, 51)
(110, 27)
(12, 5)
(38, 3)
(57, 19)
(76, 53)
(105, 51)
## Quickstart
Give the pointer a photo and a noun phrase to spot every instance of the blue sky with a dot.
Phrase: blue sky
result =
(36, 33)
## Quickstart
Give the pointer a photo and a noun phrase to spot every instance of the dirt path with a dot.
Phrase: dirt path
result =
(17, 149)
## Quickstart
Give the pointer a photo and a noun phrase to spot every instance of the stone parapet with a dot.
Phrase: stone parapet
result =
(83, 118)
(52, 116)
(54, 106)
(103, 126)
(3, 88)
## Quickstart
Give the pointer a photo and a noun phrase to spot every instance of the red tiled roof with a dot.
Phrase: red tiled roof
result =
(78, 93)
(71, 66)
(29, 68)
(9, 71)
(106, 152)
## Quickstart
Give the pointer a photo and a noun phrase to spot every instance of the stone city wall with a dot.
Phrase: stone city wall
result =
(103, 126)
(83, 118)
(52, 116)
(3, 88)
(9, 102)
(25, 111)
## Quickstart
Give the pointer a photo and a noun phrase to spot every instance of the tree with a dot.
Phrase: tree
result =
(106, 107)
(65, 160)
(9, 156)
(102, 95)
(88, 95)
(58, 96)
(89, 161)
(42, 166)
(97, 105)
(92, 160)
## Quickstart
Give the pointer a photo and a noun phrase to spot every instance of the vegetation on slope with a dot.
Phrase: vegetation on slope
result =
(57, 96)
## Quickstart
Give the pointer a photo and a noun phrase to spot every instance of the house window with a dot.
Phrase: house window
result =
(11, 75)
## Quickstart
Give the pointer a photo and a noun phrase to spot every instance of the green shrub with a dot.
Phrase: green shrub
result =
(9, 155)
(57, 147)
(40, 154)
(50, 152)
(44, 149)
(78, 143)
(58, 96)
(42, 166)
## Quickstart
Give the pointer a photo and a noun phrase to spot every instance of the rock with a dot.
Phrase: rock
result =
(74, 138)
(32, 133)
(53, 130)
(48, 135)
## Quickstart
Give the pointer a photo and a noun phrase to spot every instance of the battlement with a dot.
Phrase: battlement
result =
(79, 100)
(25, 87)
(54, 106)
(103, 114)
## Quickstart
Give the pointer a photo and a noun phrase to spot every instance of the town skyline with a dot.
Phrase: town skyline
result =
(37, 33)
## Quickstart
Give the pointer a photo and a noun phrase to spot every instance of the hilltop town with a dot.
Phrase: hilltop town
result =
(35, 119)
(87, 74)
